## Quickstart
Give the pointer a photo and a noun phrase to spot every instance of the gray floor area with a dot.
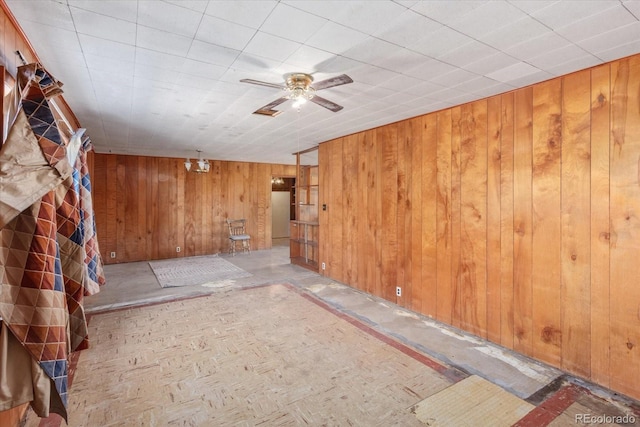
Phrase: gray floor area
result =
(135, 284)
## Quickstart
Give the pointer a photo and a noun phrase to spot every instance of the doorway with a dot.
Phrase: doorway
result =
(282, 209)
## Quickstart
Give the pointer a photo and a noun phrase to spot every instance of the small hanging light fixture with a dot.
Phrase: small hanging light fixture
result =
(202, 165)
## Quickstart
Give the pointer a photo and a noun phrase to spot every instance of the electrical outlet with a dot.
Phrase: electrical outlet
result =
(113, 254)
(323, 266)
(177, 248)
(398, 291)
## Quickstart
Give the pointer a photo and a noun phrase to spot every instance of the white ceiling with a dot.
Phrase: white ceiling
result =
(161, 78)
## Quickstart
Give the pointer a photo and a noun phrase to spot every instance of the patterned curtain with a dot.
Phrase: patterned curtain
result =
(48, 249)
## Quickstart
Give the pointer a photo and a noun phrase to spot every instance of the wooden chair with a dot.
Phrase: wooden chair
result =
(238, 233)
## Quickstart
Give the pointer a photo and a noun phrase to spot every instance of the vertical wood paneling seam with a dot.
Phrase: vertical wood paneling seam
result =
(562, 165)
(609, 225)
(532, 217)
(486, 228)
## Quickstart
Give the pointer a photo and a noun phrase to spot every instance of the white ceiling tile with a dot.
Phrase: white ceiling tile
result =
(104, 27)
(557, 56)
(440, 42)
(574, 65)
(406, 28)
(401, 60)
(513, 72)
(249, 13)
(116, 130)
(159, 59)
(54, 14)
(620, 51)
(371, 50)
(402, 84)
(124, 10)
(562, 13)
(453, 78)
(336, 38)
(467, 54)
(496, 89)
(292, 24)
(476, 85)
(364, 16)
(463, 99)
(112, 66)
(597, 23)
(63, 66)
(168, 17)
(371, 75)
(197, 5)
(447, 11)
(530, 6)
(530, 79)
(309, 57)
(224, 33)
(490, 63)
(248, 66)
(202, 69)
(486, 18)
(230, 88)
(271, 47)
(514, 33)
(78, 85)
(110, 88)
(161, 41)
(147, 72)
(537, 46)
(325, 9)
(633, 6)
(429, 69)
(50, 38)
(400, 98)
(616, 37)
(368, 17)
(191, 81)
(407, 3)
(107, 48)
(207, 52)
(338, 65)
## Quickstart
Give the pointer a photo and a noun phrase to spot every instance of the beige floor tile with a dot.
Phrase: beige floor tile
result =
(262, 356)
(472, 402)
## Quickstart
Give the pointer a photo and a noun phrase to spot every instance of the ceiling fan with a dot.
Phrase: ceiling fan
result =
(299, 88)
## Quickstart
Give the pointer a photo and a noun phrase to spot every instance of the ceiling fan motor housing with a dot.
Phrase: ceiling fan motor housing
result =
(299, 85)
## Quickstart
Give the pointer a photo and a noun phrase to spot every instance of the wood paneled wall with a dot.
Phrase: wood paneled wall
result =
(146, 207)
(516, 218)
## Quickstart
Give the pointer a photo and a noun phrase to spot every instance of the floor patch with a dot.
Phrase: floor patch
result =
(472, 402)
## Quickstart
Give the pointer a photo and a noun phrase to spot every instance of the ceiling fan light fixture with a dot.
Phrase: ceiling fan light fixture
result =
(187, 164)
(298, 89)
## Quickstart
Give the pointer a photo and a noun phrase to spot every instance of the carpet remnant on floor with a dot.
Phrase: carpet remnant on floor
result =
(209, 270)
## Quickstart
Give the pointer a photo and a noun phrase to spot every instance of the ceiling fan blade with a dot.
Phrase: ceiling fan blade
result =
(326, 104)
(259, 83)
(333, 81)
(268, 110)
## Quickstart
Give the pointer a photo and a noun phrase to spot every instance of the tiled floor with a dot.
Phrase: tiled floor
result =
(312, 352)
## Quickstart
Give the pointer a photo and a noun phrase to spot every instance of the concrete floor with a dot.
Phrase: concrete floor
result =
(556, 398)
